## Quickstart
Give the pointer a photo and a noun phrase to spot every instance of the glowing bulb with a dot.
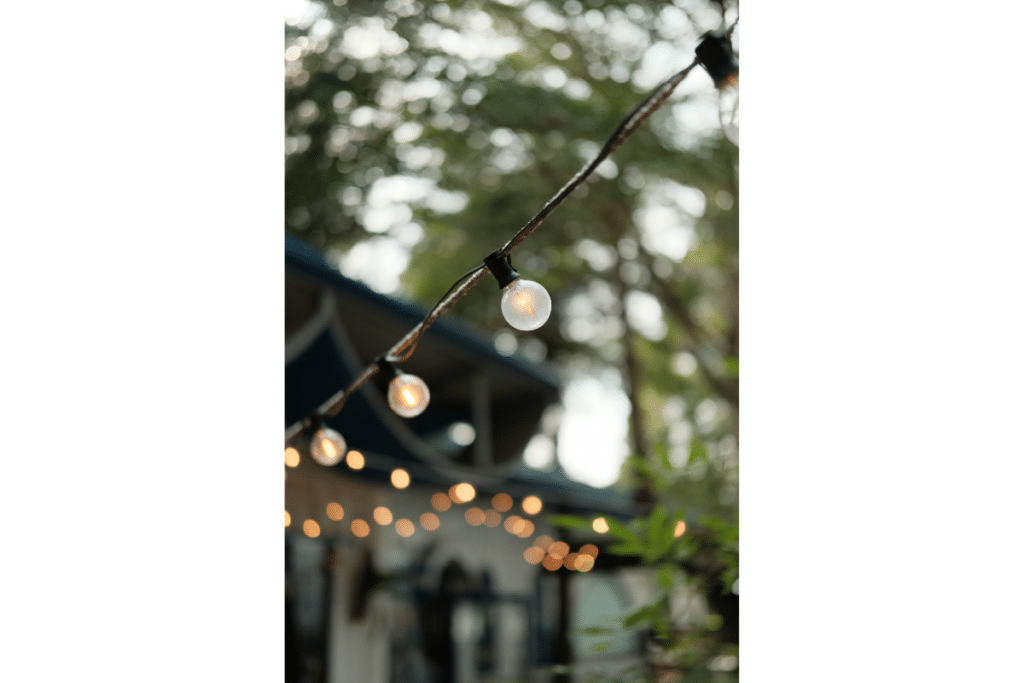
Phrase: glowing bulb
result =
(291, 457)
(601, 525)
(408, 395)
(729, 107)
(327, 447)
(525, 304)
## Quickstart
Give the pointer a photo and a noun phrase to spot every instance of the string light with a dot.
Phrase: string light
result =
(525, 304)
(327, 447)
(536, 310)
(715, 54)
(408, 395)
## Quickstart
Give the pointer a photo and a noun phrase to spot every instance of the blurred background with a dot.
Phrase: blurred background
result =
(419, 137)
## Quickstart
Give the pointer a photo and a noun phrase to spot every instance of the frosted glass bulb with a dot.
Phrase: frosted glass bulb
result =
(327, 447)
(729, 107)
(525, 304)
(408, 395)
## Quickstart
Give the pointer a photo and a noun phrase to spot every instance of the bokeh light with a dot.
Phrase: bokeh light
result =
(584, 563)
(355, 460)
(382, 515)
(311, 528)
(552, 563)
(440, 501)
(462, 493)
(400, 478)
(291, 457)
(543, 542)
(335, 511)
(405, 528)
(569, 562)
(533, 555)
(524, 528)
(601, 525)
(502, 502)
(287, 519)
(532, 505)
(360, 528)
(680, 529)
(429, 521)
(510, 523)
(492, 518)
(475, 516)
(558, 549)
(589, 549)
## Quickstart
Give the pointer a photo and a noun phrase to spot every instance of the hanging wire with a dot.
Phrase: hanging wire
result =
(406, 346)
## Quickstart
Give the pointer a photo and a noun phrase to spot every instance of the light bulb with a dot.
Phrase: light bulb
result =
(525, 304)
(715, 54)
(729, 107)
(408, 395)
(327, 447)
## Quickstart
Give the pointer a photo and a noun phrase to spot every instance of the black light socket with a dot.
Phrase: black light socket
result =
(501, 267)
(388, 370)
(715, 55)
